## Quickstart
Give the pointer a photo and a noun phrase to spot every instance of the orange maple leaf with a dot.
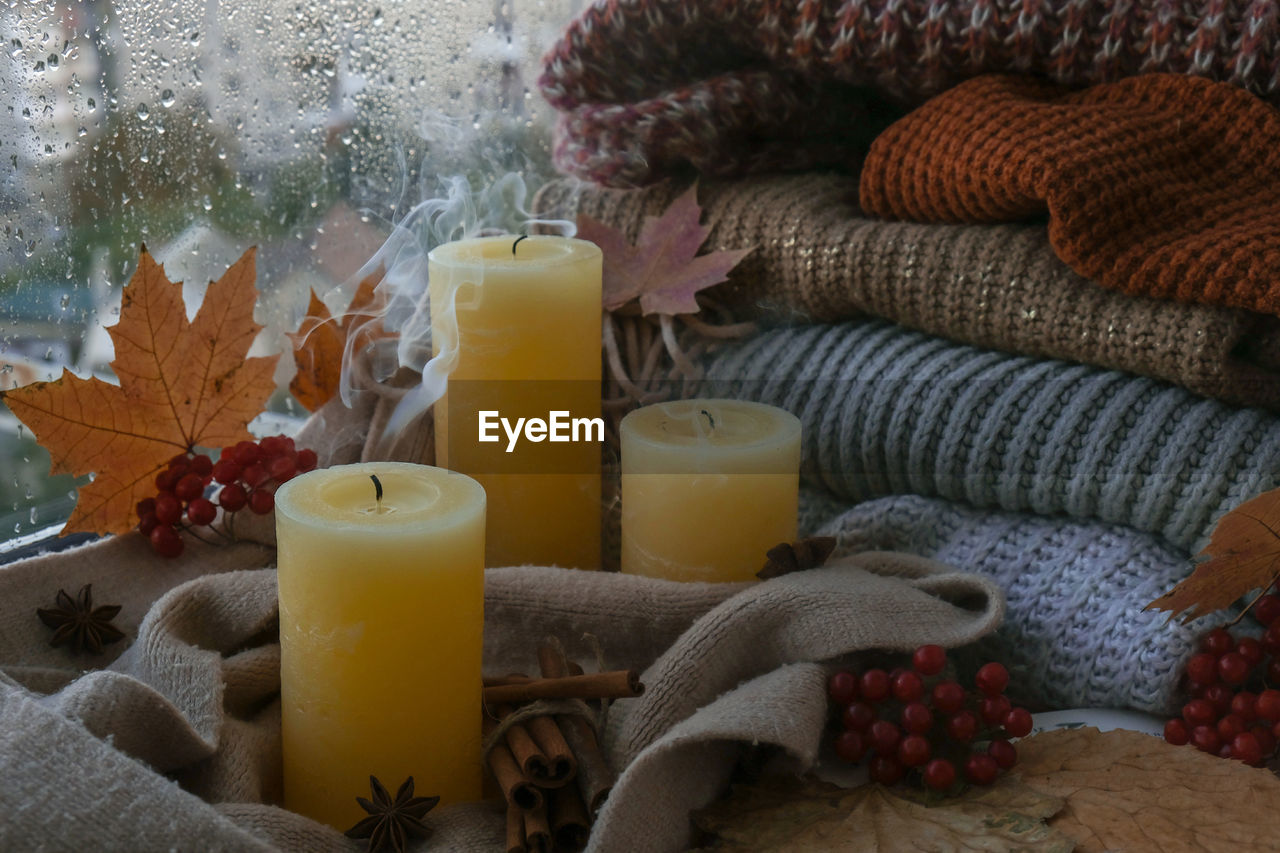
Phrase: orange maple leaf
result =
(1244, 555)
(321, 340)
(183, 384)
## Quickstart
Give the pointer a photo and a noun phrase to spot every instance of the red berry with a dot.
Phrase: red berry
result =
(180, 462)
(1273, 670)
(226, 471)
(908, 687)
(842, 687)
(940, 774)
(850, 746)
(1250, 649)
(189, 487)
(1224, 751)
(962, 726)
(948, 697)
(916, 718)
(914, 751)
(885, 736)
(165, 541)
(254, 475)
(247, 453)
(1245, 704)
(886, 770)
(1205, 739)
(929, 660)
(994, 709)
(166, 480)
(1265, 738)
(147, 523)
(261, 501)
(1233, 668)
(981, 769)
(1005, 753)
(1245, 747)
(1230, 726)
(307, 460)
(1217, 642)
(201, 511)
(1203, 668)
(232, 497)
(1267, 608)
(875, 685)
(1176, 733)
(858, 716)
(145, 507)
(282, 468)
(1219, 696)
(1018, 722)
(168, 509)
(272, 445)
(992, 679)
(202, 465)
(1271, 639)
(1268, 705)
(1199, 712)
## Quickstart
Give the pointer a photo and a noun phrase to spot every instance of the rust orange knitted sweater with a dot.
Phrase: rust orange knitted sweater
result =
(1162, 185)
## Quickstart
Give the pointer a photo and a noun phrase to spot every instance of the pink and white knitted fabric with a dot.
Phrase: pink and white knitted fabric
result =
(650, 87)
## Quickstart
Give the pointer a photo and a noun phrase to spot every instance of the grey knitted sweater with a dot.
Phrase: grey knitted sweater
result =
(888, 411)
(1074, 631)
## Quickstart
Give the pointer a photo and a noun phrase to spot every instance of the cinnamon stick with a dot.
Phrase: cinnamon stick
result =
(515, 830)
(620, 684)
(595, 778)
(537, 830)
(501, 680)
(570, 825)
(533, 762)
(516, 788)
(559, 767)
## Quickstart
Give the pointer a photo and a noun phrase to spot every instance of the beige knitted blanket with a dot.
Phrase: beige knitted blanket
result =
(816, 257)
(171, 739)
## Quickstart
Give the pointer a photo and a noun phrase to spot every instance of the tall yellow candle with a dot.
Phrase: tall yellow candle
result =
(523, 320)
(381, 625)
(708, 486)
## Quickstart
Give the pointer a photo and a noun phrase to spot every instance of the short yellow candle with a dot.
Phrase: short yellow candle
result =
(525, 320)
(381, 625)
(708, 486)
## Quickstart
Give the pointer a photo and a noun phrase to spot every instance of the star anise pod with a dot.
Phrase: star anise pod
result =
(78, 624)
(791, 557)
(391, 821)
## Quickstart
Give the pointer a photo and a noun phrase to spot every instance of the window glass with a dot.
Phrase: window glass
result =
(202, 128)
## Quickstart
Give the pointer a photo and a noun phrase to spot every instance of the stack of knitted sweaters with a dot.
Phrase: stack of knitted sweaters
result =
(1016, 265)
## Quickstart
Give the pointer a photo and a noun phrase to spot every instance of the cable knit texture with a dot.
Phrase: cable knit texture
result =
(1157, 185)
(888, 411)
(1074, 631)
(648, 86)
(816, 257)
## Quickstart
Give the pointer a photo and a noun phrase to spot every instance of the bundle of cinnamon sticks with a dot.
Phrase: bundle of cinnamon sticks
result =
(550, 767)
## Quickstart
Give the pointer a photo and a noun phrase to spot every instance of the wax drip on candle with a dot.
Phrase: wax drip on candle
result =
(377, 492)
(517, 243)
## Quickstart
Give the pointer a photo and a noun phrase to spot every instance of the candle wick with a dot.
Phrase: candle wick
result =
(377, 490)
(517, 243)
(709, 418)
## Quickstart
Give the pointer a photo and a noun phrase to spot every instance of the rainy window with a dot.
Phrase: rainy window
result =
(200, 129)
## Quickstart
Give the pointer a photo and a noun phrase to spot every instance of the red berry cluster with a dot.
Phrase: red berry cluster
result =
(248, 472)
(1234, 712)
(913, 721)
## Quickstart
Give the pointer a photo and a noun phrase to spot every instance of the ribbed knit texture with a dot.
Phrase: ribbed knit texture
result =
(1074, 630)
(649, 86)
(1157, 185)
(888, 411)
(816, 257)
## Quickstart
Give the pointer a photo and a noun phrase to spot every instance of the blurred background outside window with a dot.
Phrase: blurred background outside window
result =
(201, 128)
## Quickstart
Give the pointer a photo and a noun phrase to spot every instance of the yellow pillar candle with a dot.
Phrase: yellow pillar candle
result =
(381, 626)
(708, 486)
(525, 321)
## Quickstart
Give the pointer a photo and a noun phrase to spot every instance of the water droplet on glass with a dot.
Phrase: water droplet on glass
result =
(167, 98)
(52, 61)
(144, 112)
(207, 203)
(64, 301)
(92, 104)
(35, 515)
(82, 131)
